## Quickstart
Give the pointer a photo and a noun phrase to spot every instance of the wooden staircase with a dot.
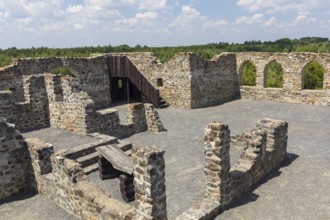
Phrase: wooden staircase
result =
(122, 66)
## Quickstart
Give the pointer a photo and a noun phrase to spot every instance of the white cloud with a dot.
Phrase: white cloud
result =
(188, 19)
(215, 24)
(255, 19)
(140, 18)
(152, 4)
(275, 6)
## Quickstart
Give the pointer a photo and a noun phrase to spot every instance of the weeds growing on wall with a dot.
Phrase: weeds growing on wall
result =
(62, 71)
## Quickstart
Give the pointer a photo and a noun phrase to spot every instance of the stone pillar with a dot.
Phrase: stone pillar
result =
(217, 161)
(40, 153)
(149, 182)
(15, 167)
(153, 121)
(136, 116)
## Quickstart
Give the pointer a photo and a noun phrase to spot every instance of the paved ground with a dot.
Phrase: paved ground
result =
(298, 190)
(32, 207)
(60, 139)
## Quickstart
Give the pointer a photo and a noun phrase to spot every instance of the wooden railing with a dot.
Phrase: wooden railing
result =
(121, 66)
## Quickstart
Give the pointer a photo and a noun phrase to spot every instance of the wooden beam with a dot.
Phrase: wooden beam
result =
(117, 158)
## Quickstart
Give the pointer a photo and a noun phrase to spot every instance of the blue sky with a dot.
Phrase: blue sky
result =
(70, 23)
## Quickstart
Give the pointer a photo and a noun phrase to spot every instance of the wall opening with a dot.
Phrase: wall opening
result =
(274, 75)
(124, 90)
(248, 74)
(313, 75)
(159, 82)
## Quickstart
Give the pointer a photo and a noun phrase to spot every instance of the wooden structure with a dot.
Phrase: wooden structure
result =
(121, 67)
(113, 163)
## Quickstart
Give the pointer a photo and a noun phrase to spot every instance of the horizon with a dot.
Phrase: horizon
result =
(157, 23)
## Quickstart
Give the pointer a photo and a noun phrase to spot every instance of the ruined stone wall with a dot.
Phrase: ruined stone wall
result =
(213, 82)
(293, 65)
(67, 104)
(34, 112)
(7, 107)
(15, 169)
(149, 183)
(144, 117)
(174, 74)
(264, 149)
(91, 72)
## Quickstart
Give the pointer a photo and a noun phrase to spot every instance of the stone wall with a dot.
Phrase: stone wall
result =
(149, 183)
(40, 153)
(264, 149)
(213, 82)
(15, 169)
(92, 74)
(293, 65)
(34, 112)
(144, 117)
(174, 74)
(153, 120)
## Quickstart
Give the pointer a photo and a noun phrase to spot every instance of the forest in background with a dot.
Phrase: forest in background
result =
(207, 51)
(314, 72)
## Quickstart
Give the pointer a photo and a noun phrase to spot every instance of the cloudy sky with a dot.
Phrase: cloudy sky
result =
(69, 23)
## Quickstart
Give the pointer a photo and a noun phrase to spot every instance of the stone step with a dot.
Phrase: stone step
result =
(124, 145)
(88, 159)
(91, 168)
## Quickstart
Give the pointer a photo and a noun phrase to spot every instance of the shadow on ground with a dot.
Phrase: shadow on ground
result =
(251, 196)
(18, 197)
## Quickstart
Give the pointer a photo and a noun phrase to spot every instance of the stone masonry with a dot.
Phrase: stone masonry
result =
(293, 65)
(144, 117)
(149, 182)
(264, 149)
(15, 165)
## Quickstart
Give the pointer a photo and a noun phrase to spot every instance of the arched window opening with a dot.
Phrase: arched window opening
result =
(274, 75)
(313, 76)
(249, 73)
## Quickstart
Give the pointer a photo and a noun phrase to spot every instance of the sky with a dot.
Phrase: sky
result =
(71, 23)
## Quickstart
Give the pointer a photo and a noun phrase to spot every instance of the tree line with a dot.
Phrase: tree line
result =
(207, 51)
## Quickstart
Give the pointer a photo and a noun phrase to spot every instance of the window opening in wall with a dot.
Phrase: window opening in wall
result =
(274, 75)
(249, 73)
(159, 82)
(313, 75)
(120, 84)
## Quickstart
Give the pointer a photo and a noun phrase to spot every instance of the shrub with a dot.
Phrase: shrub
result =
(62, 71)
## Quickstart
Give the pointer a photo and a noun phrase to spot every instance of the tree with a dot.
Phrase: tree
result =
(274, 75)
(313, 76)
(249, 73)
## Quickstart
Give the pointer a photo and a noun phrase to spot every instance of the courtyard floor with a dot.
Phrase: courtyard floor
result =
(299, 189)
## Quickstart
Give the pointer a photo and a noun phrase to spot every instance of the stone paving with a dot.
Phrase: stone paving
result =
(298, 190)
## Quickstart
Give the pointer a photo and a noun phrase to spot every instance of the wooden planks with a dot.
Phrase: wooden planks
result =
(117, 158)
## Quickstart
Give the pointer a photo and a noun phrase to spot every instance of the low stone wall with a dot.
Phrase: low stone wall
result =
(264, 149)
(153, 120)
(144, 117)
(315, 97)
(15, 165)
(40, 153)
